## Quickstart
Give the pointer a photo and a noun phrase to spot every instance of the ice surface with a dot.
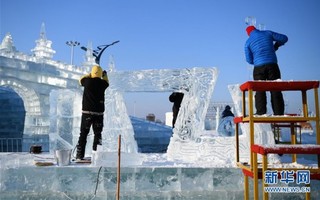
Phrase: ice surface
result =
(140, 182)
(153, 177)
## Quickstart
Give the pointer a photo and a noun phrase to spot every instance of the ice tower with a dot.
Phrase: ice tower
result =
(7, 44)
(43, 47)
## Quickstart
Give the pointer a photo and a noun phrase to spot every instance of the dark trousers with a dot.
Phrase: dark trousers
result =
(268, 72)
(88, 120)
(175, 112)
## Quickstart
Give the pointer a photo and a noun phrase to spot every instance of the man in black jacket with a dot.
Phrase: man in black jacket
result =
(94, 85)
(176, 98)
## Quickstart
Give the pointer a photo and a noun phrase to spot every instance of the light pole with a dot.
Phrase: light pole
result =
(72, 44)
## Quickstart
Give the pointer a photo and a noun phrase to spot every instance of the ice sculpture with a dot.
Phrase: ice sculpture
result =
(117, 122)
(65, 118)
(190, 142)
(197, 84)
(208, 147)
(263, 132)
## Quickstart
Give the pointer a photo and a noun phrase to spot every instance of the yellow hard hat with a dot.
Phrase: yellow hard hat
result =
(96, 71)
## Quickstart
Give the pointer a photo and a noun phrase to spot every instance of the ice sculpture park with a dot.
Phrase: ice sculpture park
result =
(199, 164)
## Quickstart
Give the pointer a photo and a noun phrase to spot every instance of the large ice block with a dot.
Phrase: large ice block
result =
(65, 118)
(155, 178)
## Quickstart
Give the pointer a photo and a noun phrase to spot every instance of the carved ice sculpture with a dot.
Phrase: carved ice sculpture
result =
(190, 142)
(263, 132)
(205, 147)
(196, 83)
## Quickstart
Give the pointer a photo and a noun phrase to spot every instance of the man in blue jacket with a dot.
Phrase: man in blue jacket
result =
(260, 51)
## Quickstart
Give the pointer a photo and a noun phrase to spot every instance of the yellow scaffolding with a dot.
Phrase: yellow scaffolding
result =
(257, 170)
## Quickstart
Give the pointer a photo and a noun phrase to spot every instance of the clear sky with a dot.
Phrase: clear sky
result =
(171, 34)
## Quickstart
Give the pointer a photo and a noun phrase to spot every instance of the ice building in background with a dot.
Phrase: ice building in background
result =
(31, 77)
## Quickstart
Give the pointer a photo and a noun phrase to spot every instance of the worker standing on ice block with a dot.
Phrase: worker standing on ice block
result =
(94, 85)
(260, 51)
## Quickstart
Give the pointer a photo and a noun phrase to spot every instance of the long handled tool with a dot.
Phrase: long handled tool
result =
(118, 171)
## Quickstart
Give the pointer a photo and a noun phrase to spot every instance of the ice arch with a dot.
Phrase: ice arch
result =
(32, 124)
(196, 83)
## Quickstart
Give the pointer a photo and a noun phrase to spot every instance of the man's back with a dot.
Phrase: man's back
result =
(259, 48)
(93, 94)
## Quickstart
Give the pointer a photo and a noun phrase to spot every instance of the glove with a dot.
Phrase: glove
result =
(276, 46)
(104, 76)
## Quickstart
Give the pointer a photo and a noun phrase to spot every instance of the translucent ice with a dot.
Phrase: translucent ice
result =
(190, 141)
(65, 116)
(263, 132)
(196, 83)
(216, 147)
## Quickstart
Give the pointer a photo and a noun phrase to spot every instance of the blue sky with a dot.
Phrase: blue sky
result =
(171, 34)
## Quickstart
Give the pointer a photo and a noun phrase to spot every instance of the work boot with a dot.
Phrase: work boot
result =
(80, 152)
(96, 141)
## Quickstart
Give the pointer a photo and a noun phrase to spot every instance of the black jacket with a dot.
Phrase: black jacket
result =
(176, 99)
(93, 94)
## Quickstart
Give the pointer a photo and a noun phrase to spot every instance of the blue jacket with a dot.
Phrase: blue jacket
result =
(259, 48)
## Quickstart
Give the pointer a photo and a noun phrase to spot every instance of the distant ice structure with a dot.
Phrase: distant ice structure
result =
(226, 126)
(43, 46)
(7, 44)
(32, 77)
(151, 137)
